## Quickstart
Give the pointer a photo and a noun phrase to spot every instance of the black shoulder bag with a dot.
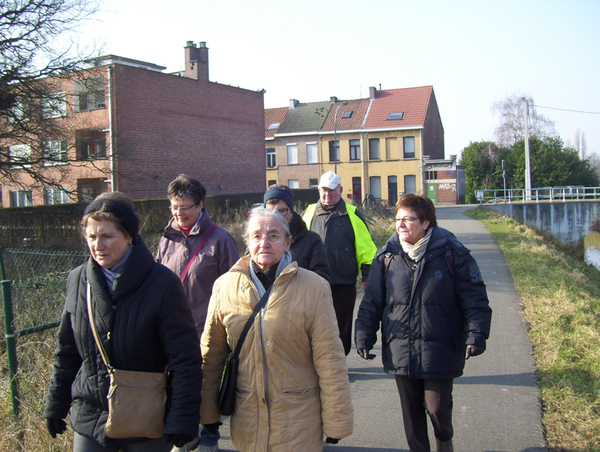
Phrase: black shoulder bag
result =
(227, 392)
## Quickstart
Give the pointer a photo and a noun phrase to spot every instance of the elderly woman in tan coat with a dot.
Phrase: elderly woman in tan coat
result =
(292, 387)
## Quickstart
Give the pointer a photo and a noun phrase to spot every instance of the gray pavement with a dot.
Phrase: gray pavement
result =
(496, 402)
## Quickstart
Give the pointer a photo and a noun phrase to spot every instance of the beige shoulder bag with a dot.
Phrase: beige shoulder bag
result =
(137, 401)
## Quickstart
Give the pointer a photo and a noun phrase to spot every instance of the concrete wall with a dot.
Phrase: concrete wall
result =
(567, 222)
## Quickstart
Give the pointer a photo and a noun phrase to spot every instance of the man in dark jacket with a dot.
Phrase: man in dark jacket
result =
(307, 247)
(348, 245)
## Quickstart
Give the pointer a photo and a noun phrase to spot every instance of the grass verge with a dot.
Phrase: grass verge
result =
(560, 295)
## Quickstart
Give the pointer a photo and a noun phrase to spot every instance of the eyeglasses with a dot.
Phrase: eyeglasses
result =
(182, 209)
(273, 237)
(407, 219)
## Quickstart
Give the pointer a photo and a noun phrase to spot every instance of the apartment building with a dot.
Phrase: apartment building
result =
(124, 124)
(377, 144)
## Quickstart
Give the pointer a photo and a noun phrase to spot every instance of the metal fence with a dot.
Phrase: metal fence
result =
(33, 294)
(544, 194)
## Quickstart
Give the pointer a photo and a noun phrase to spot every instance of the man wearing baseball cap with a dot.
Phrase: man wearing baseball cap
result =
(348, 244)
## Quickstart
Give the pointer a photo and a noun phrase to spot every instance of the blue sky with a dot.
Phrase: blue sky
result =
(474, 53)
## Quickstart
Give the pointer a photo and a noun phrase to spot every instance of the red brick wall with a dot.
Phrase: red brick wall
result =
(166, 125)
(446, 190)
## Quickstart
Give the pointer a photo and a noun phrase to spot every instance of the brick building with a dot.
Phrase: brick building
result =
(376, 144)
(128, 126)
(445, 181)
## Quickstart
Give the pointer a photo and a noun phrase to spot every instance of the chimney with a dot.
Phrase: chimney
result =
(453, 157)
(333, 99)
(372, 92)
(196, 61)
(293, 103)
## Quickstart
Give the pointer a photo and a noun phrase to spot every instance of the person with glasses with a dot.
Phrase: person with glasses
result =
(307, 247)
(292, 386)
(198, 251)
(426, 293)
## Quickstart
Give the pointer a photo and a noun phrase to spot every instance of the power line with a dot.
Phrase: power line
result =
(573, 111)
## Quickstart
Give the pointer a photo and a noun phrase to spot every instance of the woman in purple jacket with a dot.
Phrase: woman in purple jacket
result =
(198, 251)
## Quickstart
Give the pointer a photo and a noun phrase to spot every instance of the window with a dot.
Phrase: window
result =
(55, 153)
(347, 114)
(271, 182)
(374, 149)
(20, 155)
(313, 183)
(20, 198)
(355, 150)
(293, 184)
(391, 148)
(410, 183)
(292, 154)
(312, 155)
(19, 111)
(56, 196)
(91, 145)
(89, 189)
(395, 116)
(375, 186)
(334, 151)
(89, 94)
(273, 126)
(409, 147)
(54, 105)
(271, 158)
(430, 175)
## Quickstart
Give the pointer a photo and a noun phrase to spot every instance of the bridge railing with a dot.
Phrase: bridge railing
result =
(544, 194)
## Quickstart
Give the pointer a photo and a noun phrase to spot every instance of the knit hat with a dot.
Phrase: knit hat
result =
(279, 193)
(127, 217)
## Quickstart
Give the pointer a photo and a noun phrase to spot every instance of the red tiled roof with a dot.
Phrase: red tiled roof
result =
(412, 101)
(273, 115)
(358, 107)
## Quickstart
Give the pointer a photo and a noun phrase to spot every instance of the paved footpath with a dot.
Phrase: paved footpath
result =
(496, 401)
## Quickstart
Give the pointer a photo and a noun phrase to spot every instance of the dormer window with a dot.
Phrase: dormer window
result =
(347, 114)
(273, 126)
(395, 116)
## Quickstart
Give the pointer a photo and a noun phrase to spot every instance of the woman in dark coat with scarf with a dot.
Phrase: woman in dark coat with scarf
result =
(141, 315)
(426, 292)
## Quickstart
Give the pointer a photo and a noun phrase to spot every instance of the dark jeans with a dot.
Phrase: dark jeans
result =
(84, 444)
(419, 398)
(344, 298)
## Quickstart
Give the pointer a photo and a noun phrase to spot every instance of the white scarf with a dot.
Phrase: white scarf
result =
(417, 250)
(286, 259)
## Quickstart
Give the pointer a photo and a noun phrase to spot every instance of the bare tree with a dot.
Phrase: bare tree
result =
(37, 52)
(512, 123)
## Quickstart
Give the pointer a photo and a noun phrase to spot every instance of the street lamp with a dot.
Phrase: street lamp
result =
(335, 143)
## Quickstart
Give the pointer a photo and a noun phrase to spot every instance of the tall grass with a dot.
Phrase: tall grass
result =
(560, 295)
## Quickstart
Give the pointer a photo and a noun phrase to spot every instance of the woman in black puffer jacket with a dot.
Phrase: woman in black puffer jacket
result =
(426, 292)
(142, 317)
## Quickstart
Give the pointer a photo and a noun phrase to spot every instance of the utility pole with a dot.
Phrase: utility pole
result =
(527, 156)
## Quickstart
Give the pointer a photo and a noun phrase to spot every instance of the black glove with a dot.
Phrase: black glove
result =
(55, 426)
(178, 440)
(472, 350)
(331, 440)
(364, 353)
(213, 428)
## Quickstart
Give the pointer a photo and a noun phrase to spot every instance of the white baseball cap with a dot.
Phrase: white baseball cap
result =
(330, 180)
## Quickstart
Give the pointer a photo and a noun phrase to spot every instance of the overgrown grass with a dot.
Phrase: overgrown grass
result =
(560, 295)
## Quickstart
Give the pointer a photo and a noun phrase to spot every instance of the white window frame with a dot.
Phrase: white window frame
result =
(408, 142)
(20, 152)
(312, 152)
(271, 158)
(92, 92)
(293, 184)
(292, 154)
(55, 153)
(54, 105)
(20, 198)
(56, 195)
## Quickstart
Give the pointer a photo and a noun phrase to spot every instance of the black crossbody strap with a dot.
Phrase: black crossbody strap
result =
(258, 307)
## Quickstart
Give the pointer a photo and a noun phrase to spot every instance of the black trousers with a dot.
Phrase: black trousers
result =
(419, 398)
(344, 299)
